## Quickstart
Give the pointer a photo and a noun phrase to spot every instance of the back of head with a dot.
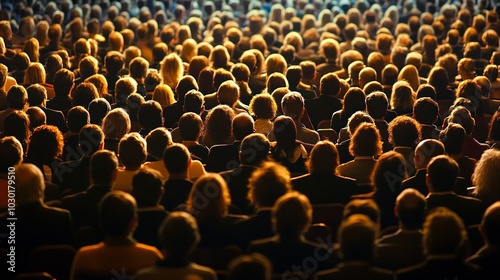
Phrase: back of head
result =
(330, 84)
(357, 235)
(17, 97)
(365, 207)
(90, 139)
(150, 115)
(228, 93)
(147, 187)
(98, 109)
(117, 214)
(426, 150)
(376, 104)
(78, 117)
(460, 115)
(11, 153)
(157, 141)
(411, 209)
(132, 150)
(444, 232)
(425, 110)
(30, 184)
(366, 141)
(64, 83)
(404, 131)
(250, 267)
(242, 126)
(323, 159)
(177, 159)
(254, 149)
(442, 173)
(103, 166)
(83, 94)
(37, 95)
(292, 105)
(453, 137)
(268, 183)
(292, 215)
(490, 226)
(179, 234)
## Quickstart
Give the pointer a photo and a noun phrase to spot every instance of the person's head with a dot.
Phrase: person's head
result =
(123, 88)
(292, 105)
(138, 68)
(490, 225)
(78, 117)
(330, 50)
(330, 84)
(242, 126)
(116, 124)
(17, 96)
(100, 82)
(147, 187)
(366, 141)
(354, 100)
(150, 115)
(118, 214)
(218, 123)
(171, 69)
(254, 149)
(376, 104)
(113, 62)
(366, 75)
(357, 235)
(46, 144)
(179, 235)
(366, 207)
(323, 159)
(426, 90)
(466, 68)
(291, 215)
(275, 63)
(404, 131)
(268, 183)
(132, 151)
(389, 165)
(177, 159)
(494, 127)
(453, 137)
(35, 73)
(250, 267)
(263, 106)
(485, 177)
(402, 97)
(209, 198)
(425, 110)
(426, 150)
(228, 93)
(37, 95)
(19, 124)
(11, 153)
(88, 66)
(442, 173)
(83, 94)
(443, 233)
(411, 209)
(30, 184)
(460, 115)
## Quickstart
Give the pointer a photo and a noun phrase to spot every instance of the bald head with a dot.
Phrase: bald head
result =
(366, 75)
(490, 226)
(411, 208)
(426, 150)
(242, 126)
(37, 117)
(30, 184)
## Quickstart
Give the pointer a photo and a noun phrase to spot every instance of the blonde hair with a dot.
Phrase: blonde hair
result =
(486, 177)
(32, 48)
(189, 50)
(402, 96)
(164, 95)
(409, 73)
(171, 69)
(100, 82)
(35, 74)
(116, 124)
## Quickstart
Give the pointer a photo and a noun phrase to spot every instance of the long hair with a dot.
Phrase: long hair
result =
(486, 177)
(209, 198)
(285, 132)
(171, 69)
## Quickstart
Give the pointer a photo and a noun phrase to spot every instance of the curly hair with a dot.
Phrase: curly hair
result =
(218, 123)
(486, 177)
(46, 143)
(366, 141)
(263, 106)
(404, 131)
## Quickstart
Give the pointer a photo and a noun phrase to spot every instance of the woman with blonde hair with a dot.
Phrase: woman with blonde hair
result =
(32, 48)
(402, 98)
(275, 63)
(100, 82)
(486, 177)
(171, 69)
(164, 95)
(215, 224)
(114, 126)
(189, 50)
(35, 74)
(219, 58)
(409, 73)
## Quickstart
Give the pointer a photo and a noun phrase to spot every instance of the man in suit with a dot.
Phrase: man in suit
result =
(424, 152)
(357, 236)
(291, 216)
(442, 173)
(225, 157)
(404, 247)
(147, 189)
(83, 205)
(254, 149)
(488, 257)
(322, 107)
(323, 185)
(36, 224)
(268, 183)
(444, 235)
(73, 176)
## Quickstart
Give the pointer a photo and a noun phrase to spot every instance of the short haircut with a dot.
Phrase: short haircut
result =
(376, 104)
(11, 153)
(292, 214)
(254, 149)
(65, 80)
(404, 131)
(453, 138)
(268, 183)
(124, 87)
(442, 172)
(462, 116)
(102, 166)
(356, 119)
(411, 208)
(292, 105)
(83, 94)
(147, 187)
(330, 84)
(367, 207)
(357, 235)
(78, 117)
(308, 69)
(190, 126)
(17, 97)
(132, 150)
(117, 211)
(242, 125)
(37, 94)
(443, 233)
(425, 110)
(116, 124)
(114, 62)
(157, 141)
(150, 115)
(90, 139)
(179, 234)
(138, 68)
(228, 93)
(250, 267)
(30, 184)
(490, 224)
(426, 150)
(263, 106)
(193, 101)
(176, 158)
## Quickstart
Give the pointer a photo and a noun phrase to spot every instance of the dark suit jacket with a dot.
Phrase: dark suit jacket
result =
(285, 254)
(211, 101)
(470, 209)
(150, 219)
(322, 108)
(176, 193)
(399, 250)
(418, 182)
(172, 114)
(55, 117)
(237, 182)
(325, 189)
(37, 225)
(60, 103)
(71, 150)
(343, 149)
(73, 176)
(383, 127)
(439, 269)
(84, 205)
(429, 132)
(218, 233)
(255, 227)
(488, 259)
(223, 157)
(355, 270)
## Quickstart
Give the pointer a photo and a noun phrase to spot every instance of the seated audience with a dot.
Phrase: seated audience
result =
(177, 187)
(485, 178)
(132, 154)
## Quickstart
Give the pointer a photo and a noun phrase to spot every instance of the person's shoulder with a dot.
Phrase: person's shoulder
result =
(147, 249)
(204, 270)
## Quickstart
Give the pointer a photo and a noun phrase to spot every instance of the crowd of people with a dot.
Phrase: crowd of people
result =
(293, 139)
